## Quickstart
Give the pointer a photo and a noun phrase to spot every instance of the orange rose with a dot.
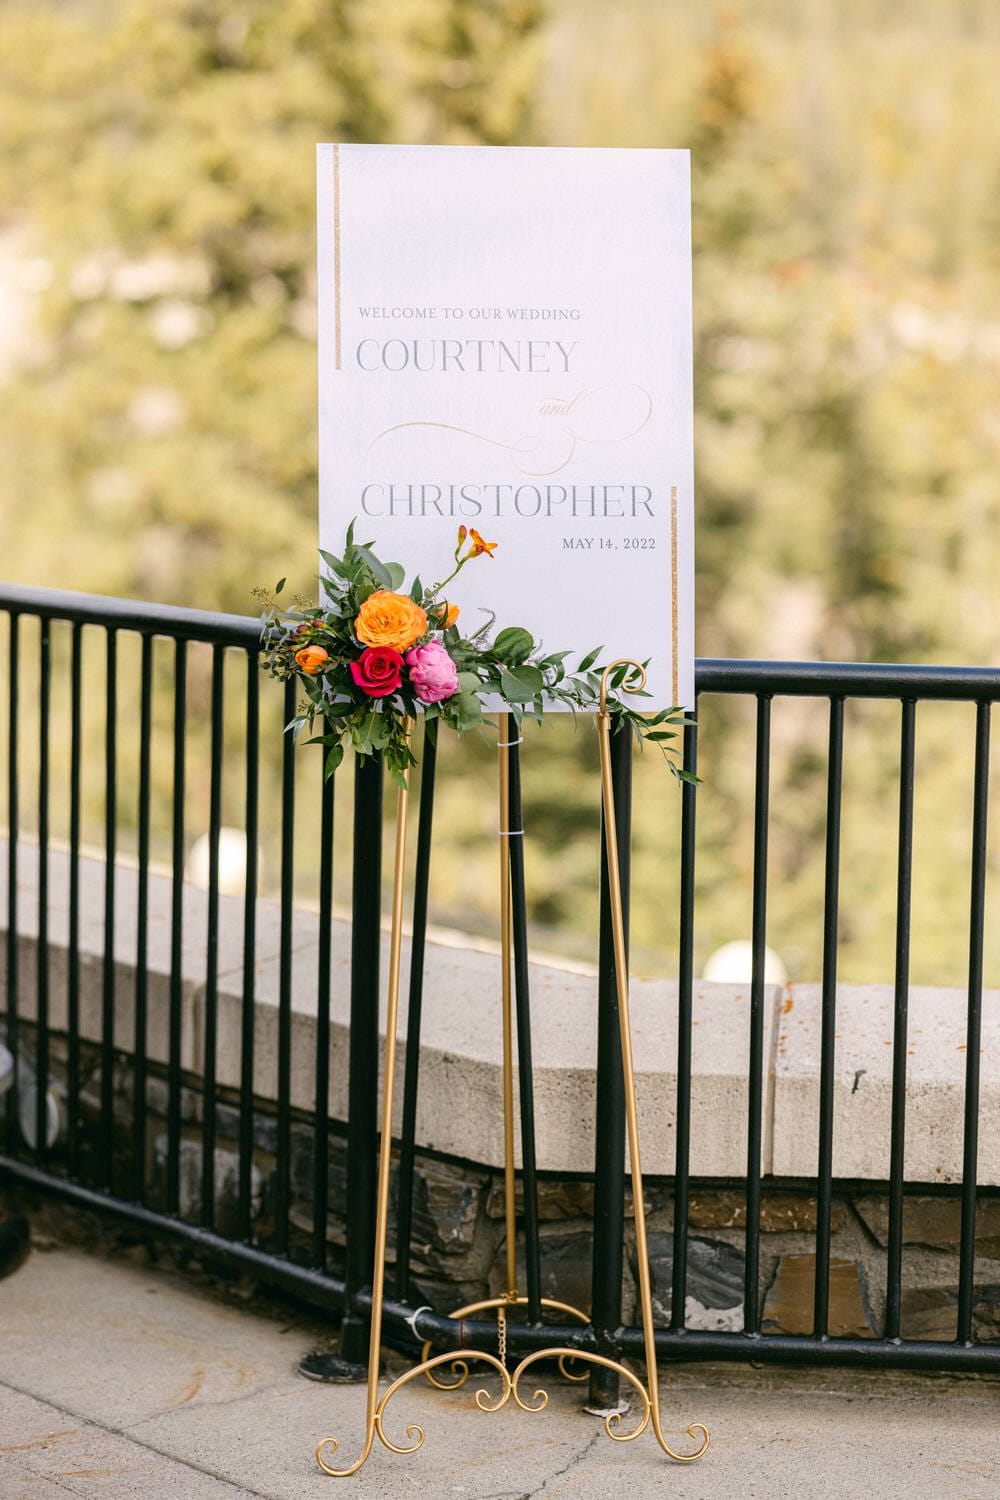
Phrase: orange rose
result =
(387, 619)
(311, 658)
(443, 614)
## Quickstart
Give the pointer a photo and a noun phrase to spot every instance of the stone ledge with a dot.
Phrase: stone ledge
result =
(935, 1086)
(459, 1106)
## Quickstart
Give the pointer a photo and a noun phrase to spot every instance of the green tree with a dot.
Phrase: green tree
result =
(161, 440)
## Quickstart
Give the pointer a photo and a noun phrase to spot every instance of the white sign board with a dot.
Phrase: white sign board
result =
(505, 343)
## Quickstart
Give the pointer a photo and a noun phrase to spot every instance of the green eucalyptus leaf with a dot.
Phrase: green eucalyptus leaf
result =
(522, 685)
(513, 645)
(467, 708)
(379, 734)
(378, 570)
(511, 689)
(530, 677)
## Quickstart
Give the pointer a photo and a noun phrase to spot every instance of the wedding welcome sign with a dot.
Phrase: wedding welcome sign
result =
(505, 344)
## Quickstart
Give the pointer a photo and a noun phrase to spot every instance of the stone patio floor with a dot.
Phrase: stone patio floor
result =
(122, 1380)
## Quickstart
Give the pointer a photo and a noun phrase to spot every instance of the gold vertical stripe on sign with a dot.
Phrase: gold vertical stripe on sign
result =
(336, 253)
(673, 582)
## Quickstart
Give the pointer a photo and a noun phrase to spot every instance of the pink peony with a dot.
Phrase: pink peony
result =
(432, 672)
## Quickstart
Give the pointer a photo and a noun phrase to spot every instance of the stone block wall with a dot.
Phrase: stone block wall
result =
(459, 1240)
(459, 1251)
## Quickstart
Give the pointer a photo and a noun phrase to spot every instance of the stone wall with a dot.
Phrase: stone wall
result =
(459, 1227)
(459, 1250)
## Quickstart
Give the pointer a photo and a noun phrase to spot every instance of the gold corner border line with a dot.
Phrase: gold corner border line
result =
(673, 585)
(336, 254)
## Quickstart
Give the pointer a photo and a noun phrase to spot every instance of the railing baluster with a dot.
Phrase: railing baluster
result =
(142, 924)
(13, 831)
(73, 957)
(973, 1038)
(755, 1089)
(522, 999)
(42, 1032)
(411, 1076)
(249, 950)
(609, 1108)
(176, 934)
(685, 994)
(362, 1128)
(897, 1143)
(321, 1122)
(831, 915)
(105, 1157)
(284, 1151)
(212, 944)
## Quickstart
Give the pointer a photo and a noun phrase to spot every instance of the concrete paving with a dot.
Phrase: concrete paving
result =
(121, 1381)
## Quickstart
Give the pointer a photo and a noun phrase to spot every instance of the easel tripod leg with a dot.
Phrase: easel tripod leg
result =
(648, 1394)
(375, 1408)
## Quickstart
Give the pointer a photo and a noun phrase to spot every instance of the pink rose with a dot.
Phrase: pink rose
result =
(432, 672)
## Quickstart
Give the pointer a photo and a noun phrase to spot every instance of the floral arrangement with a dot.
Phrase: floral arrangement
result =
(373, 656)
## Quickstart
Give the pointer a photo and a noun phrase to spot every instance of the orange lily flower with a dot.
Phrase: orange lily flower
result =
(479, 546)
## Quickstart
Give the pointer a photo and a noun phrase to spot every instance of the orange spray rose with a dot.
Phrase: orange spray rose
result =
(443, 614)
(312, 658)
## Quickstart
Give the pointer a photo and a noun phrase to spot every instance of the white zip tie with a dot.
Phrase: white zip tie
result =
(411, 1321)
(510, 833)
(509, 744)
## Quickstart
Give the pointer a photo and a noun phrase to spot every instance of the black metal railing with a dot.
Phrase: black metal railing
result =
(198, 704)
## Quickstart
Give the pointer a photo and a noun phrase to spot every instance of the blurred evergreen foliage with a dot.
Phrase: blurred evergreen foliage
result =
(158, 368)
(160, 155)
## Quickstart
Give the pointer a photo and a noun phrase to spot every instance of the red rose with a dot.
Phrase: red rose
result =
(378, 671)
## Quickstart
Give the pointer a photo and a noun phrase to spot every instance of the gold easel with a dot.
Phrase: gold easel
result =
(648, 1394)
